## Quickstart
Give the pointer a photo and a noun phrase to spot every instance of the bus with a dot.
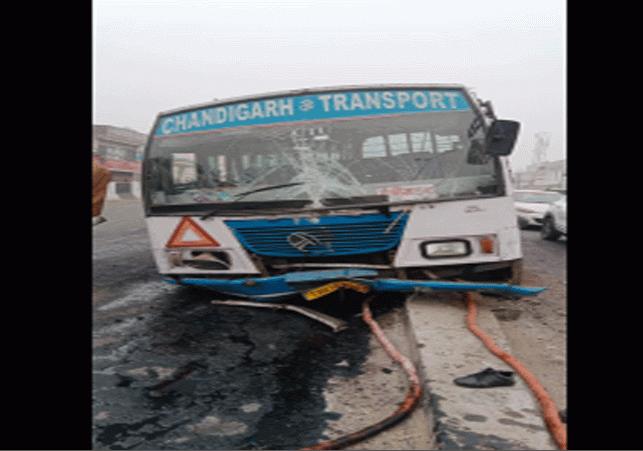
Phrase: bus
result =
(307, 192)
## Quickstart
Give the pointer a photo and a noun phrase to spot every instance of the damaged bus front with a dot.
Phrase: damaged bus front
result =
(304, 193)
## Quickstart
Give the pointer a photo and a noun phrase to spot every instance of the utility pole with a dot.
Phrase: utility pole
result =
(539, 153)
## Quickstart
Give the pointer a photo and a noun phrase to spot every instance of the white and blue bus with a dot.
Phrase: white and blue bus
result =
(303, 193)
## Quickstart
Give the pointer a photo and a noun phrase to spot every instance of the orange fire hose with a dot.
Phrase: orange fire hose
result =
(412, 396)
(549, 411)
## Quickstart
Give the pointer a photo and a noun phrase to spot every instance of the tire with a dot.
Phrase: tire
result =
(548, 231)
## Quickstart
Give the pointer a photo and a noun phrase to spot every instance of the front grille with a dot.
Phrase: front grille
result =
(323, 236)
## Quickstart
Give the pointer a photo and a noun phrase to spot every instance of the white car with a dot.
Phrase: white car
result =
(555, 220)
(531, 206)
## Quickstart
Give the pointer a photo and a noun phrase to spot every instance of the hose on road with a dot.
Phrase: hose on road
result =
(549, 410)
(412, 397)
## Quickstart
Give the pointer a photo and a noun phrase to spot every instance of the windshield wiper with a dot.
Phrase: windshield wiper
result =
(245, 193)
(267, 188)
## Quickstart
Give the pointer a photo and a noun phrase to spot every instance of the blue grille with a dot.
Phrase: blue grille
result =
(324, 236)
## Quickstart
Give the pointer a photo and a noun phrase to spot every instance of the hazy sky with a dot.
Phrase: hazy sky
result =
(151, 56)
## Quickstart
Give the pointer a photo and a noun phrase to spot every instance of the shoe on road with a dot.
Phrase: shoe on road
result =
(486, 379)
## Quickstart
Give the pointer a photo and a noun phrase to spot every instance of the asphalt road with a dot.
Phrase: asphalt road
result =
(536, 327)
(172, 371)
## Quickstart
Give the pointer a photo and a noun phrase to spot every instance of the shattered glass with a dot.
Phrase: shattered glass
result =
(421, 156)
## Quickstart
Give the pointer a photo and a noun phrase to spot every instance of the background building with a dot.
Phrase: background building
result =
(543, 175)
(120, 150)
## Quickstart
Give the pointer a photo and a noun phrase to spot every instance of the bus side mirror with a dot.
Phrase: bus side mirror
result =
(501, 137)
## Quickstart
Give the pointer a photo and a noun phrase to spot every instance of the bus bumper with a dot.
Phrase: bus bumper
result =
(315, 284)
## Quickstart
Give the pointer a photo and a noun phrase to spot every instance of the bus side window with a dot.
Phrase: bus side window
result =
(373, 147)
(421, 142)
(445, 143)
(398, 144)
(403, 143)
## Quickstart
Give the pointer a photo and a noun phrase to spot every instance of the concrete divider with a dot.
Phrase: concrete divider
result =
(467, 418)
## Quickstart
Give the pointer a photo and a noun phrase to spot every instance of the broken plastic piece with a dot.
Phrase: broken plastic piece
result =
(289, 284)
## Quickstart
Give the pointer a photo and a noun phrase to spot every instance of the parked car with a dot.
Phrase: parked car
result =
(555, 220)
(531, 206)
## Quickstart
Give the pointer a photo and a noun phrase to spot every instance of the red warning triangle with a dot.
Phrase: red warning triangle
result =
(189, 234)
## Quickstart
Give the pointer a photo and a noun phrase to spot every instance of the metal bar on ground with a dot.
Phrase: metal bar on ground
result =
(334, 323)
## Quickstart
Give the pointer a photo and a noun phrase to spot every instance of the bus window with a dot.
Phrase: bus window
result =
(445, 143)
(421, 142)
(398, 143)
(373, 147)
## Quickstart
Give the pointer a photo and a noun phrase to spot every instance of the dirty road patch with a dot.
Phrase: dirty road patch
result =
(172, 371)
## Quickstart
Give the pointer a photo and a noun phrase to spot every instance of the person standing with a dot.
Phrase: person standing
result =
(100, 179)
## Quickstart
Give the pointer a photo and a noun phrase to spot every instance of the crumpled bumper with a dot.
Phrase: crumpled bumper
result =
(313, 284)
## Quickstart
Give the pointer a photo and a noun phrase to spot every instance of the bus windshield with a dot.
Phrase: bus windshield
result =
(318, 150)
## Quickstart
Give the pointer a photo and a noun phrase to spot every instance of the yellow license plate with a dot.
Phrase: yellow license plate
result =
(334, 286)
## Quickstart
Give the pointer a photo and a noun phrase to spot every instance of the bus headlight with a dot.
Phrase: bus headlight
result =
(444, 249)
(175, 258)
(200, 259)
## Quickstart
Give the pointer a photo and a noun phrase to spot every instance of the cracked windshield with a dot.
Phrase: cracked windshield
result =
(324, 149)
